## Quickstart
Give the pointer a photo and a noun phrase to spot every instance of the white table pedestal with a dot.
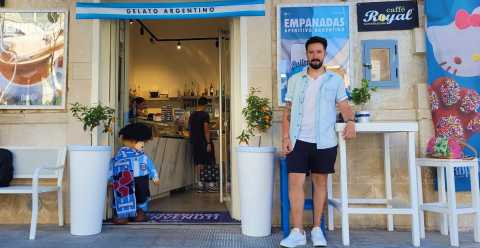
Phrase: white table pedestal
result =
(345, 204)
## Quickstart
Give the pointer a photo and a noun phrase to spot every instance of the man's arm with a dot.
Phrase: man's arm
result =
(207, 135)
(347, 113)
(346, 110)
(286, 143)
(207, 132)
(286, 120)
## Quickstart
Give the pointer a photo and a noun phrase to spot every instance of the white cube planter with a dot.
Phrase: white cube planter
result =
(256, 175)
(88, 187)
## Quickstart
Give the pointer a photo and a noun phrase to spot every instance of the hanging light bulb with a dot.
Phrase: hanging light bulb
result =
(179, 46)
(131, 22)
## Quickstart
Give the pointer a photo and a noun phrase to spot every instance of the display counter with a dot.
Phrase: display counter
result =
(172, 155)
(173, 160)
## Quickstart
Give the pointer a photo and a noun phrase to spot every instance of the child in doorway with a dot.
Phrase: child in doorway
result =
(130, 172)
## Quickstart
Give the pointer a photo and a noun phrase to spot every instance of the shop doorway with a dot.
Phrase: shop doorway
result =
(171, 64)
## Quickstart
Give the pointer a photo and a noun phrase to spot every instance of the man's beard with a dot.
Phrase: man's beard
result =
(315, 64)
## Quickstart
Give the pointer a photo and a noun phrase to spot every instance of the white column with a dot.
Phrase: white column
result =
(420, 202)
(475, 200)
(442, 198)
(344, 190)
(95, 86)
(388, 178)
(413, 189)
(331, 223)
(452, 206)
(239, 91)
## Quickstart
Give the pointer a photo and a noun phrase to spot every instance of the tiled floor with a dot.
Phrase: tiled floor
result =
(201, 237)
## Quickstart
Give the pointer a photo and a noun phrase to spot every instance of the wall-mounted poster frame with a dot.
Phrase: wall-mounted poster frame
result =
(324, 20)
(33, 58)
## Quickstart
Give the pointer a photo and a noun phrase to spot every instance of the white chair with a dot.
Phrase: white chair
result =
(38, 163)
(447, 203)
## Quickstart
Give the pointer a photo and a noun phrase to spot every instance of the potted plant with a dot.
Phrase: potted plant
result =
(89, 171)
(360, 96)
(256, 168)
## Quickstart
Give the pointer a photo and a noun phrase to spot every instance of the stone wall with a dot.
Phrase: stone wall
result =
(49, 127)
(365, 154)
(365, 157)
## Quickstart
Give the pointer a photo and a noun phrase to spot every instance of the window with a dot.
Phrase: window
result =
(380, 63)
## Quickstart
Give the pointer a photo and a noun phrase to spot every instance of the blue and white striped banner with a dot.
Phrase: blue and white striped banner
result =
(185, 10)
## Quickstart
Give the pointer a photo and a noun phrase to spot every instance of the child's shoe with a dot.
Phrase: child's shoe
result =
(141, 216)
(119, 221)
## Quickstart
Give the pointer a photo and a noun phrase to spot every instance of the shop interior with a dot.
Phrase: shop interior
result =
(171, 64)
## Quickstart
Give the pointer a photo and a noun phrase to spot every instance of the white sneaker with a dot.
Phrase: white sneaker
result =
(318, 239)
(200, 187)
(294, 239)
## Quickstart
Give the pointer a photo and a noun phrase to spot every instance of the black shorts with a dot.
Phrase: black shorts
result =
(306, 158)
(142, 189)
(201, 154)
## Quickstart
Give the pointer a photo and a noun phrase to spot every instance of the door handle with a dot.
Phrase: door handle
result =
(369, 66)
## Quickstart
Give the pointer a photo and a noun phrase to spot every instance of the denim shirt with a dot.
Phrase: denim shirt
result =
(331, 91)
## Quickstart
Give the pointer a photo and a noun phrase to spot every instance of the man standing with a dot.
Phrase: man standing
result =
(200, 139)
(309, 137)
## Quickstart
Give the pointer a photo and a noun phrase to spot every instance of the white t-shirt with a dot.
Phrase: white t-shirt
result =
(307, 129)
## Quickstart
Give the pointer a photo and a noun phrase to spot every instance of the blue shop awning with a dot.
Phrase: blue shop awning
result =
(177, 10)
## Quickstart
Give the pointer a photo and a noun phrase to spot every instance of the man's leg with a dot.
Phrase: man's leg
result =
(198, 170)
(297, 161)
(297, 198)
(319, 196)
(323, 165)
(199, 184)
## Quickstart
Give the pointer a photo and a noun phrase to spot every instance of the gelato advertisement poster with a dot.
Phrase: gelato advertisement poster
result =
(32, 60)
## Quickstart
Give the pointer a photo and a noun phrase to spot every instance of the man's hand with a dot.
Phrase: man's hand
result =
(286, 146)
(156, 181)
(349, 131)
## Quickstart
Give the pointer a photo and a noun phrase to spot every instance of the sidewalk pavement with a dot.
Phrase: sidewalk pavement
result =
(200, 236)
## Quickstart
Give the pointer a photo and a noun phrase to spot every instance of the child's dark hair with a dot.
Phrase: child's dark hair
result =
(136, 132)
(316, 39)
(202, 101)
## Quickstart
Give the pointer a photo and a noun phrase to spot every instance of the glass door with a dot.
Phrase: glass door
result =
(224, 128)
(122, 96)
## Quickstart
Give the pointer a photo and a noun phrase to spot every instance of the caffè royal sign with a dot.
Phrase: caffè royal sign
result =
(381, 16)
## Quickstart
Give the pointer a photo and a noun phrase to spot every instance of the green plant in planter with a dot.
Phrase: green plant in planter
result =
(93, 116)
(360, 96)
(258, 115)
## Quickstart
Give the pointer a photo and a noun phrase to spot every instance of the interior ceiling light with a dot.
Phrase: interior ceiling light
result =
(131, 21)
(179, 46)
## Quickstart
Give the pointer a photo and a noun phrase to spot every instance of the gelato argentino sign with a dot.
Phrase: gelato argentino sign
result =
(174, 10)
(377, 16)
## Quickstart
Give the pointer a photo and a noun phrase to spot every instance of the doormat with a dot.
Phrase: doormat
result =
(186, 218)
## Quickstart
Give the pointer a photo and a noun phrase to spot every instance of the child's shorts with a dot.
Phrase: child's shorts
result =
(142, 189)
